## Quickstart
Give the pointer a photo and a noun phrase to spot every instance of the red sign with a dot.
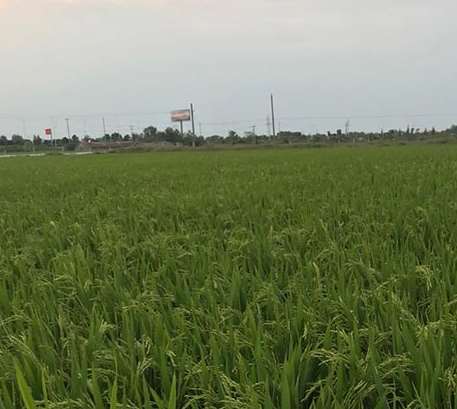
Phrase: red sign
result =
(48, 131)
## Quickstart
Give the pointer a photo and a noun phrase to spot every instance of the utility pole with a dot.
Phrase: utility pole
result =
(104, 129)
(67, 120)
(200, 129)
(24, 128)
(193, 124)
(85, 127)
(51, 131)
(273, 116)
(24, 133)
(254, 134)
(268, 126)
(347, 126)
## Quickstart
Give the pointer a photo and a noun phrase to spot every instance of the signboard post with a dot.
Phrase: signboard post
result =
(193, 125)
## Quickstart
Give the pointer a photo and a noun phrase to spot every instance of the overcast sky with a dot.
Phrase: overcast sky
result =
(133, 61)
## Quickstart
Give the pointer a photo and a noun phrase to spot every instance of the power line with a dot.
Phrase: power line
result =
(89, 121)
(377, 116)
(67, 120)
(233, 122)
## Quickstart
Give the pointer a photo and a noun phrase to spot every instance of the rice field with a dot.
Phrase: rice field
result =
(257, 279)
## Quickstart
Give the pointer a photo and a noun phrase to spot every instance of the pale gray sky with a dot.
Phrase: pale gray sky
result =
(135, 60)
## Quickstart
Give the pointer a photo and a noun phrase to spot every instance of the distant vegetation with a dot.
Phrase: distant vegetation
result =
(266, 279)
(171, 136)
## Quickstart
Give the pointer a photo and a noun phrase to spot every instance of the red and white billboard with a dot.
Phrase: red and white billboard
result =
(181, 115)
(48, 132)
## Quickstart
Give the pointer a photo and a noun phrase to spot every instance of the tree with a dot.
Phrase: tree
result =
(190, 139)
(172, 135)
(116, 136)
(17, 140)
(75, 139)
(150, 134)
(215, 139)
(36, 140)
(233, 137)
(3, 140)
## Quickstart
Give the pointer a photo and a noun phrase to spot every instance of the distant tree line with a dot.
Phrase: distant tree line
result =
(173, 137)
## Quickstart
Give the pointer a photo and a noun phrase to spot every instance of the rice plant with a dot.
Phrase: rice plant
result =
(256, 279)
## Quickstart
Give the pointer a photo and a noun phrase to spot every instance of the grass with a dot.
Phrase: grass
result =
(256, 279)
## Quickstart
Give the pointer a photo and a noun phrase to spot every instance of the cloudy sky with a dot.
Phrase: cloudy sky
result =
(385, 63)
